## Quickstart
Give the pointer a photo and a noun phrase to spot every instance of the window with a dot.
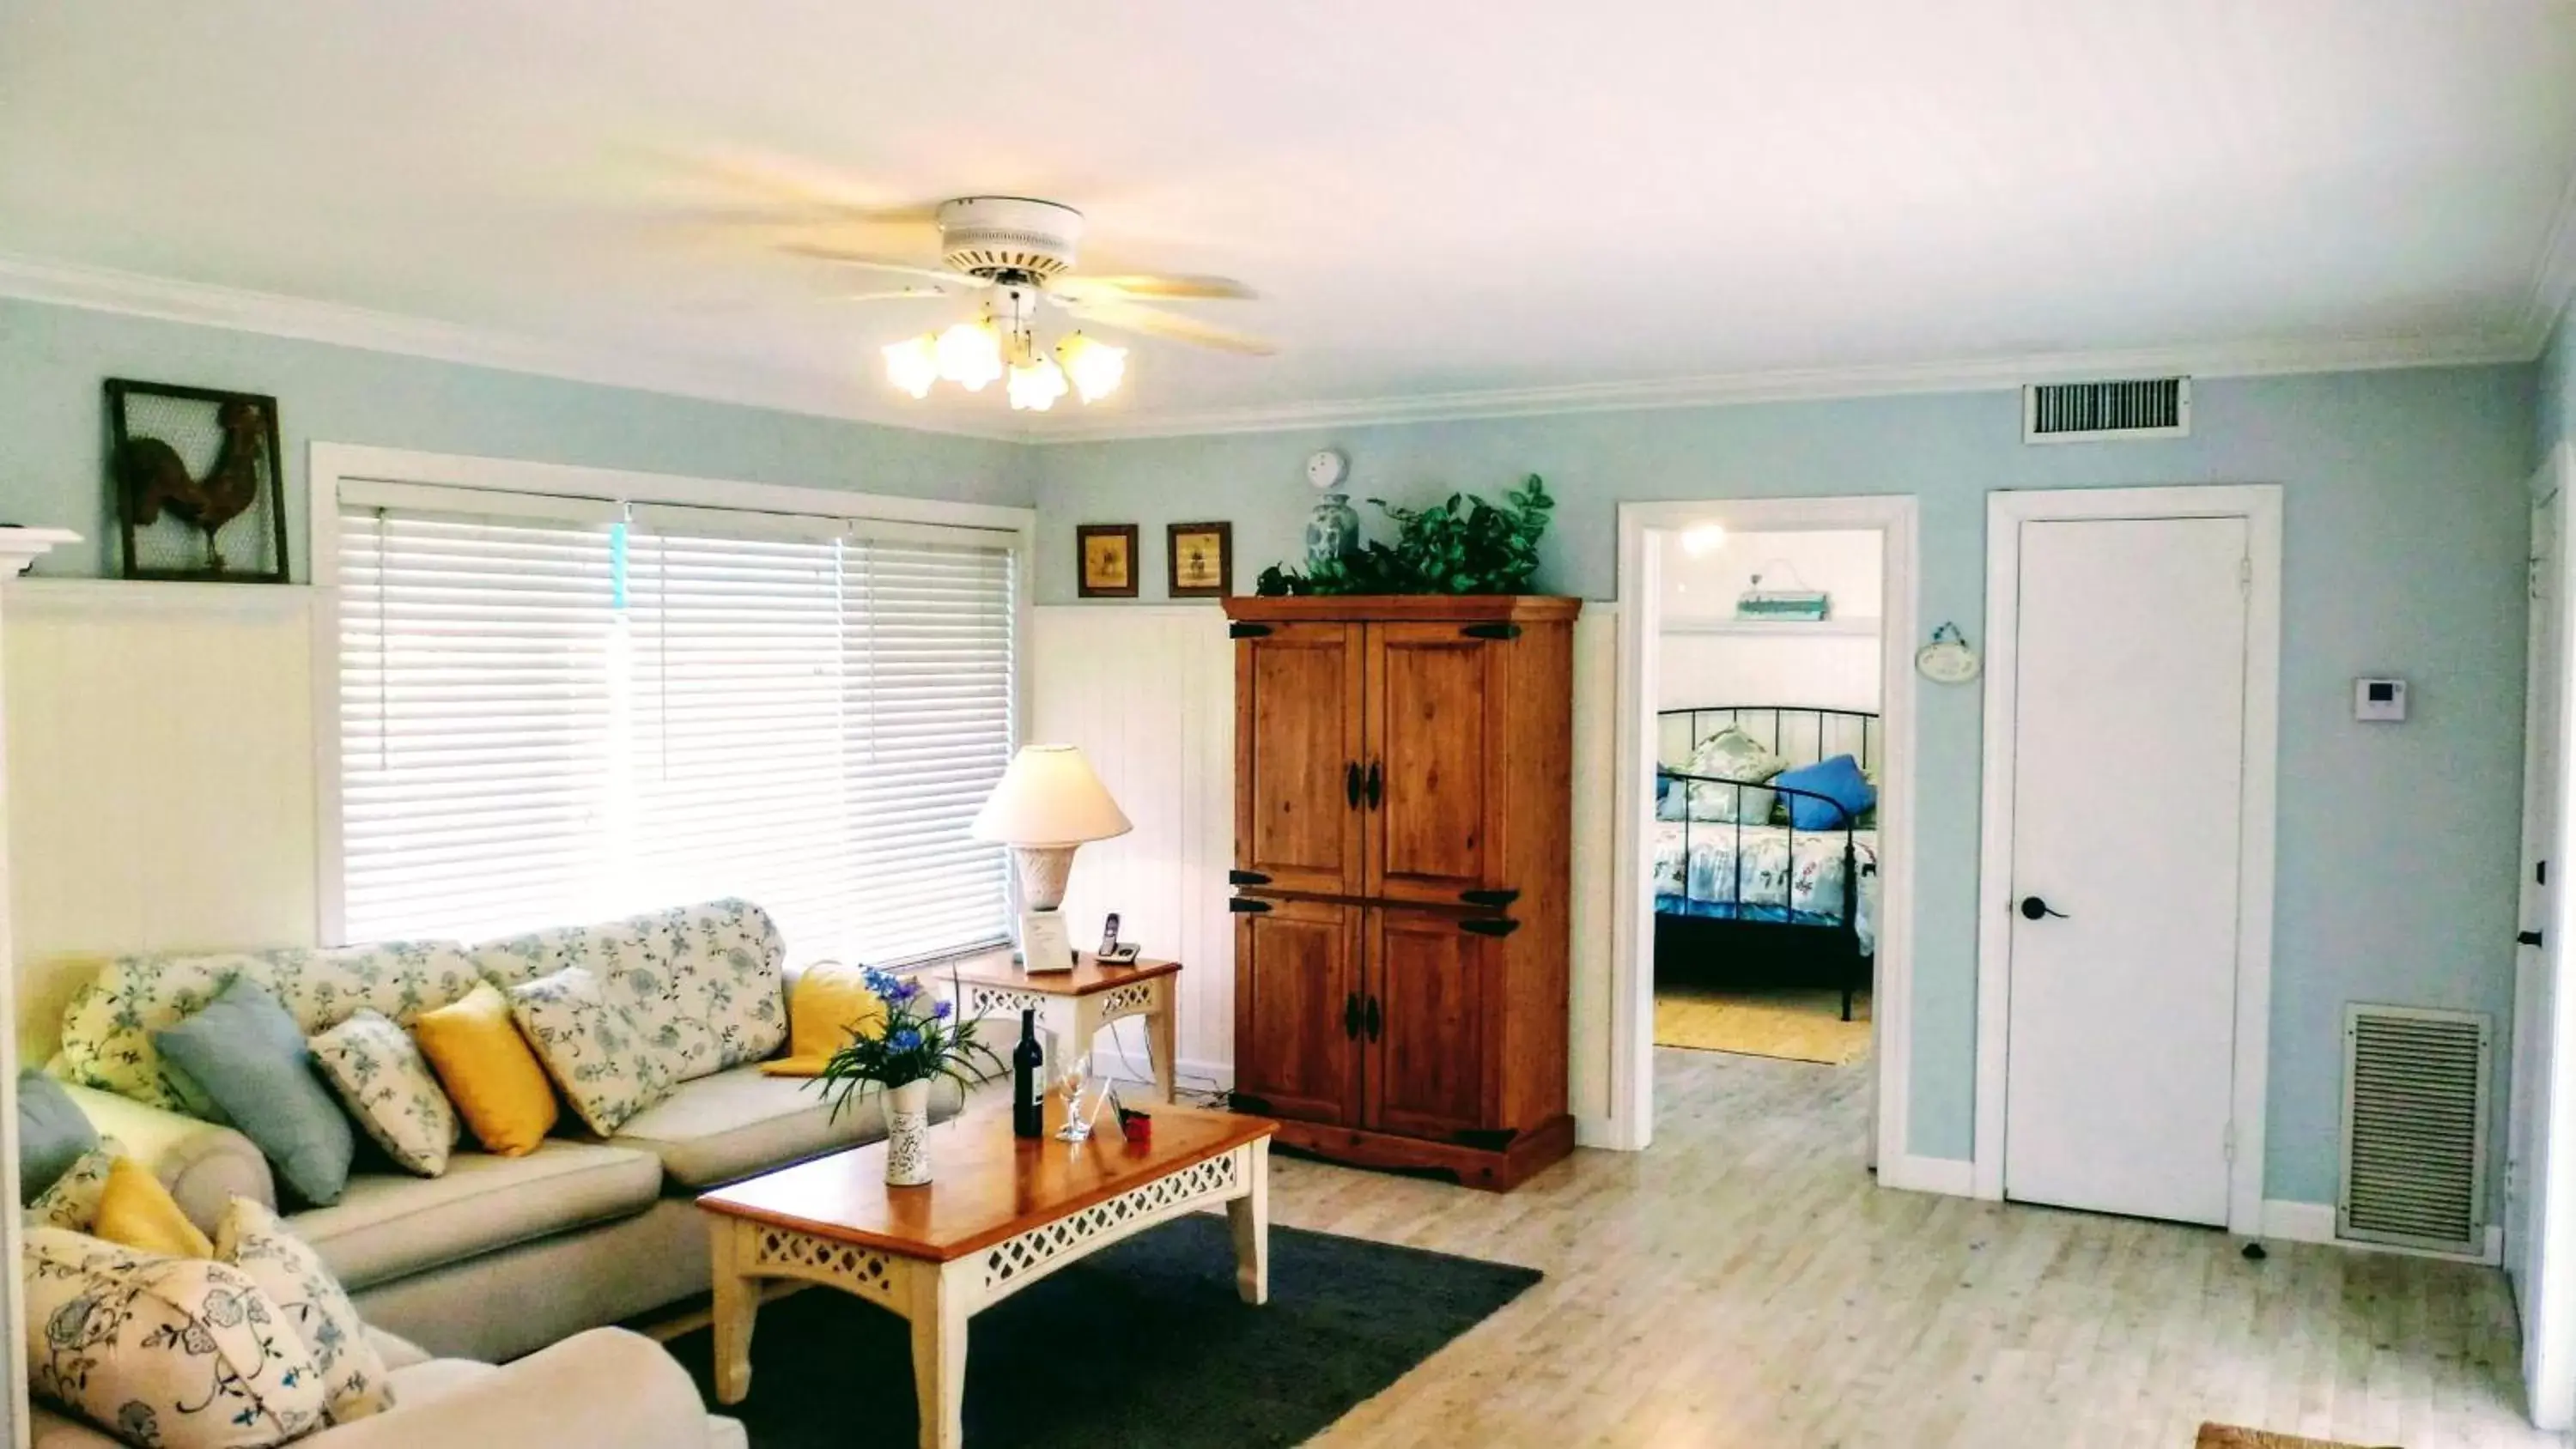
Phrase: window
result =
(554, 710)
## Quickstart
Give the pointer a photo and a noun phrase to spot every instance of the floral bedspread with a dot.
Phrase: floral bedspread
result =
(1808, 889)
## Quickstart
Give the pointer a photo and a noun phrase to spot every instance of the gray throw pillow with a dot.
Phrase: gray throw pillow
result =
(249, 1057)
(52, 1133)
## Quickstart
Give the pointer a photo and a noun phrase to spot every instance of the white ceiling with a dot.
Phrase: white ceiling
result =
(1536, 204)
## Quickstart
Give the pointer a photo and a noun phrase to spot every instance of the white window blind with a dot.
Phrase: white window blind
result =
(548, 721)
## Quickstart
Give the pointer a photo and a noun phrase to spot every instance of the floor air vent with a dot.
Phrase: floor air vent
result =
(2072, 412)
(2414, 1128)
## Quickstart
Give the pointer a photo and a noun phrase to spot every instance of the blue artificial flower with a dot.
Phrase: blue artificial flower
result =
(904, 991)
(905, 1040)
(941, 1011)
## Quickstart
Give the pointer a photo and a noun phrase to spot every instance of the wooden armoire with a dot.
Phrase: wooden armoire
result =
(1403, 786)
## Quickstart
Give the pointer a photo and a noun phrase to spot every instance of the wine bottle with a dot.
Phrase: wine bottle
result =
(1028, 1110)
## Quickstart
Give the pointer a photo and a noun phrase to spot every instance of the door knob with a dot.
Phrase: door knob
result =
(2033, 908)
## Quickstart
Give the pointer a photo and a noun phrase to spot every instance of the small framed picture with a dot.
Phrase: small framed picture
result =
(1202, 560)
(1108, 560)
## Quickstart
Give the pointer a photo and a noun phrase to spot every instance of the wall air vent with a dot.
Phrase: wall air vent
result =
(2074, 412)
(2414, 1128)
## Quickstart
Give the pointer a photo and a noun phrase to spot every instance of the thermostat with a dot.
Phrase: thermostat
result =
(2379, 701)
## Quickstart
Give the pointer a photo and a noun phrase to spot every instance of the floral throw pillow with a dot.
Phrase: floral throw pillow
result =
(387, 1085)
(1730, 754)
(72, 1202)
(315, 1305)
(170, 1353)
(608, 1062)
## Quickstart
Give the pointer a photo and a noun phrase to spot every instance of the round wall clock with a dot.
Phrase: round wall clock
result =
(1947, 659)
(1326, 467)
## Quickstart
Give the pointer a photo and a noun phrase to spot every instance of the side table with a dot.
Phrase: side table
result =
(1073, 1006)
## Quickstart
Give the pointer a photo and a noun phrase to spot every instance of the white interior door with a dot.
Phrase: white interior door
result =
(2533, 966)
(2127, 789)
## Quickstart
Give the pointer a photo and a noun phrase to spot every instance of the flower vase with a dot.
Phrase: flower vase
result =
(1332, 530)
(908, 1134)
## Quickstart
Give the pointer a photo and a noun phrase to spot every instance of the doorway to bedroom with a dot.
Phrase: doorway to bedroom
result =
(1764, 737)
(1769, 744)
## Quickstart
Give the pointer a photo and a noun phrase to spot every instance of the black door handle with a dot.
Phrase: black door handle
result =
(1351, 783)
(2032, 908)
(1376, 785)
(1351, 1016)
(1375, 1021)
(2527, 938)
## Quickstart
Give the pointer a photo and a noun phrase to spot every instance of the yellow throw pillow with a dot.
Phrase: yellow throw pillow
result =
(135, 1210)
(826, 1004)
(488, 1071)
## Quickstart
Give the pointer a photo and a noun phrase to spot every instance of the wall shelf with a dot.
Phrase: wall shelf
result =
(1775, 628)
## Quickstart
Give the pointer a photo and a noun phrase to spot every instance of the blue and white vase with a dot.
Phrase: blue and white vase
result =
(908, 1134)
(1332, 530)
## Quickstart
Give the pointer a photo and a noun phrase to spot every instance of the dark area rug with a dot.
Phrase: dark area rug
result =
(1143, 1343)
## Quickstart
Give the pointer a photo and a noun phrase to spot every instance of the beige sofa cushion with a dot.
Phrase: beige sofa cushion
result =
(735, 1124)
(388, 1225)
(107, 1028)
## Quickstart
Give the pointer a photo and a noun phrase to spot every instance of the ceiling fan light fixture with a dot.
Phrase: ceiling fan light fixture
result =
(970, 354)
(912, 365)
(1035, 386)
(1095, 367)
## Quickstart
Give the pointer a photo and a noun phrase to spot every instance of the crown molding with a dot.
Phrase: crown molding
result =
(277, 315)
(2244, 359)
(2553, 280)
(132, 294)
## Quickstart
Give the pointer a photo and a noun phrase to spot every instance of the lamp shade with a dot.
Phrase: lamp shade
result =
(1049, 796)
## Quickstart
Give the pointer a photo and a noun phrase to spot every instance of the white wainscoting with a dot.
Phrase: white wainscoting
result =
(160, 776)
(1147, 691)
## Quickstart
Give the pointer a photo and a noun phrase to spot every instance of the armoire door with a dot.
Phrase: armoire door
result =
(1437, 719)
(1430, 982)
(1298, 1009)
(1297, 758)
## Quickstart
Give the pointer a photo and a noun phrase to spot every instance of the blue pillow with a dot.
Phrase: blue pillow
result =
(52, 1133)
(1838, 780)
(249, 1057)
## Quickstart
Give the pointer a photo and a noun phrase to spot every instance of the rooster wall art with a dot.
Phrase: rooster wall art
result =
(152, 478)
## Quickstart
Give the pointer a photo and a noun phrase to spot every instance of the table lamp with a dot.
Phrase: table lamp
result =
(1048, 803)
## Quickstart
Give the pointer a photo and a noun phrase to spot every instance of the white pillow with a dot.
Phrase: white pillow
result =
(1731, 754)
(608, 1061)
(315, 1305)
(383, 1080)
(169, 1353)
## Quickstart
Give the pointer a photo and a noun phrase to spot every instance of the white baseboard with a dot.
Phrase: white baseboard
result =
(1600, 1132)
(2314, 1222)
(1949, 1176)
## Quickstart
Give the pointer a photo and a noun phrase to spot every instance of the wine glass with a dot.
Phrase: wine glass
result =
(1075, 1074)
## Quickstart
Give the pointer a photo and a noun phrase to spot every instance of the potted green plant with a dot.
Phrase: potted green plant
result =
(1462, 546)
(917, 1040)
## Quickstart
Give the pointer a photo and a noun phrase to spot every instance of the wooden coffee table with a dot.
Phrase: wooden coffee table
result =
(1001, 1214)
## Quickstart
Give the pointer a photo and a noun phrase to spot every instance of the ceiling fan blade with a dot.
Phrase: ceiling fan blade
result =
(895, 265)
(1147, 285)
(1155, 322)
(899, 294)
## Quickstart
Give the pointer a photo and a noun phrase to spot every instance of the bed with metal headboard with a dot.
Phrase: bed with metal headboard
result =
(1759, 883)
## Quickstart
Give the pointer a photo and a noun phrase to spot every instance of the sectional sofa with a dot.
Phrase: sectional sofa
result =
(499, 1256)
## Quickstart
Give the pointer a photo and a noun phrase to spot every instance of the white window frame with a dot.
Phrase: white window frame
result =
(329, 465)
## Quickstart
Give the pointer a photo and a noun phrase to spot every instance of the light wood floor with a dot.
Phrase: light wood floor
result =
(1744, 1283)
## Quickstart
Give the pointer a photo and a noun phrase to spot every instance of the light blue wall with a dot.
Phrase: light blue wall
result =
(2558, 387)
(2404, 555)
(52, 360)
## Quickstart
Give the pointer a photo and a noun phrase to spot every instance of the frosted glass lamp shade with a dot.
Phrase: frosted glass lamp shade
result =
(1049, 796)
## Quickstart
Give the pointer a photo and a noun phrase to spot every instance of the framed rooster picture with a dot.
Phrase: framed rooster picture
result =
(193, 477)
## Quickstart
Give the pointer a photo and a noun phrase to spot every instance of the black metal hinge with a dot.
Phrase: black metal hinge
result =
(1246, 877)
(1246, 631)
(1492, 631)
(1490, 925)
(1495, 899)
(1247, 906)
(1246, 1102)
(1488, 1139)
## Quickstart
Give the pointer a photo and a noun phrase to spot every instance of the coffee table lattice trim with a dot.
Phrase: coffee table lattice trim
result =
(1032, 1252)
(863, 1272)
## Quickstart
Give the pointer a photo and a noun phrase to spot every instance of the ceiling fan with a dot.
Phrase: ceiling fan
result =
(1015, 251)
